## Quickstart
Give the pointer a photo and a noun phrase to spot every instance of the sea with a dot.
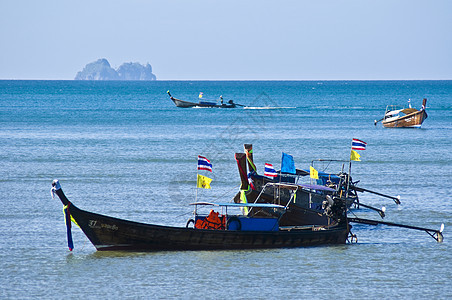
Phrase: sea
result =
(123, 149)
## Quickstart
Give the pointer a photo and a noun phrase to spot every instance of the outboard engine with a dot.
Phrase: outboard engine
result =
(333, 207)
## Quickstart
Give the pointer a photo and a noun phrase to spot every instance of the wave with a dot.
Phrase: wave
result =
(269, 107)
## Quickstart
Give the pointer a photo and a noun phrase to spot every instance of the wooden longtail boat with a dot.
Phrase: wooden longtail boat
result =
(333, 203)
(185, 104)
(109, 233)
(396, 116)
(308, 199)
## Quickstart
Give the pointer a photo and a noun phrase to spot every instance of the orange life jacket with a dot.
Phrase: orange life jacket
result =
(212, 221)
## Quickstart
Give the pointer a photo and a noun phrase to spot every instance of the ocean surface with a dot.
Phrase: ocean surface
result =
(123, 149)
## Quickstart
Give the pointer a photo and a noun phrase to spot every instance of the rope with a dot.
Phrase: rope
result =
(184, 214)
(227, 192)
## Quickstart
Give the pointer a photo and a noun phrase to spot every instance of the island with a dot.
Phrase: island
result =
(102, 70)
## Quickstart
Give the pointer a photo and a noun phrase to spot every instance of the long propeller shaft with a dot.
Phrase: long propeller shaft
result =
(396, 199)
(436, 234)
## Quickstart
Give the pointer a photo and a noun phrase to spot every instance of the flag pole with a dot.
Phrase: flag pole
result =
(196, 196)
(349, 170)
(310, 182)
(197, 175)
(348, 188)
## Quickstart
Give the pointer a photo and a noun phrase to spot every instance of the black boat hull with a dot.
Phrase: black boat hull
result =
(108, 233)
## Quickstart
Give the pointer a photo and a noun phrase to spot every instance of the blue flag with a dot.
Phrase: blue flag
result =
(287, 164)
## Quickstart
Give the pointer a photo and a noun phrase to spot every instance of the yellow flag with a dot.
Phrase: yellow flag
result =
(313, 173)
(203, 182)
(354, 156)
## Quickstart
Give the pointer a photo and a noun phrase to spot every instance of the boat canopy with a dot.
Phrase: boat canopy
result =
(323, 176)
(406, 111)
(300, 186)
(393, 112)
(317, 187)
(298, 172)
(261, 205)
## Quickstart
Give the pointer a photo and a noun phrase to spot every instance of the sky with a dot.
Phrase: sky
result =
(230, 40)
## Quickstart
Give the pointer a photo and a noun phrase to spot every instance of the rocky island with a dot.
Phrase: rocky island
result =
(101, 70)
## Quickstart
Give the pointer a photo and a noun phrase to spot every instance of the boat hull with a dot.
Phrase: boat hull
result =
(413, 120)
(108, 233)
(182, 103)
(186, 104)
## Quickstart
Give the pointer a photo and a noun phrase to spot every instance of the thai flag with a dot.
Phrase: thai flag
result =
(270, 171)
(204, 163)
(358, 145)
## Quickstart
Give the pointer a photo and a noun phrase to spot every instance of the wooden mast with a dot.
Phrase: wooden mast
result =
(241, 164)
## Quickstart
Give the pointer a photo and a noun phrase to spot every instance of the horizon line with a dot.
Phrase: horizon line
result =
(28, 79)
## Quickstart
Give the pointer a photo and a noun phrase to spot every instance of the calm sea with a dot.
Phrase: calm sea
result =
(123, 149)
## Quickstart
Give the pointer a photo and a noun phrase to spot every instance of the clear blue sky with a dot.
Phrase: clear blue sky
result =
(230, 40)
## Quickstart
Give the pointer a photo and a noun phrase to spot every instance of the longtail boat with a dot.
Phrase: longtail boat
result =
(185, 104)
(397, 116)
(209, 232)
(298, 213)
(309, 199)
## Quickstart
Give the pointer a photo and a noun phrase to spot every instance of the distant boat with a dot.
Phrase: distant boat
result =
(184, 104)
(396, 116)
